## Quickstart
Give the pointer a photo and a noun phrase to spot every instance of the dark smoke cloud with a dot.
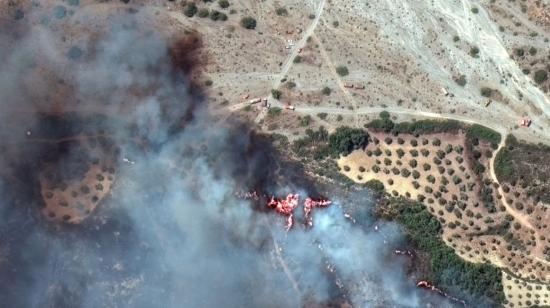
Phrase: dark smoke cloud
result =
(172, 233)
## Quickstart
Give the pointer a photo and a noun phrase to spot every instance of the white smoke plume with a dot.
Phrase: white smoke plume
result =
(172, 233)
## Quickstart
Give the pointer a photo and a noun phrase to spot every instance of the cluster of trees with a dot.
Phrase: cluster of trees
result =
(320, 144)
(526, 164)
(415, 128)
(478, 282)
(314, 144)
(483, 133)
(190, 9)
(345, 139)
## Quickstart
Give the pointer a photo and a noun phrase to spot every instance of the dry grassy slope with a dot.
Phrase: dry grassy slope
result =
(404, 54)
(457, 197)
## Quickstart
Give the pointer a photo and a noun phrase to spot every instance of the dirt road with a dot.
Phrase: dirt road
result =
(290, 59)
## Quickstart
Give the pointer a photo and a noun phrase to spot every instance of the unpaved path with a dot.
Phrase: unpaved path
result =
(293, 54)
(520, 217)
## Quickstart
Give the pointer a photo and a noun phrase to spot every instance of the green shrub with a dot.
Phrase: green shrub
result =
(326, 91)
(223, 4)
(384, 115)
(298, 59)
(381, 124)
(322, 115)
(248, 23)
(475, 10)
(346, 139)
(540, 76)
(375, 185)
(190, 9)
(217, 15)
(483, 133)
(305, 120)
(342, 71)
(276, 94)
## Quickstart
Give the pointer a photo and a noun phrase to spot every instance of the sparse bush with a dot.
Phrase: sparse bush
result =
(290, 84)
(326, 91)
(322, 115)
(486, 92)
(275, 111)
(204, 12)
(426, 167)
(519, 52)
(190, 9)
(474, 51)
(217, 15)
(456, 180)
(400, 152)
(461, 80)
(281, 11)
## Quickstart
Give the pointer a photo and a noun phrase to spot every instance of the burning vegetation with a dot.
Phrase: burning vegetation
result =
(286, 206)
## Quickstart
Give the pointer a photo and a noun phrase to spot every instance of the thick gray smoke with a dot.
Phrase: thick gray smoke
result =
(171, 233)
